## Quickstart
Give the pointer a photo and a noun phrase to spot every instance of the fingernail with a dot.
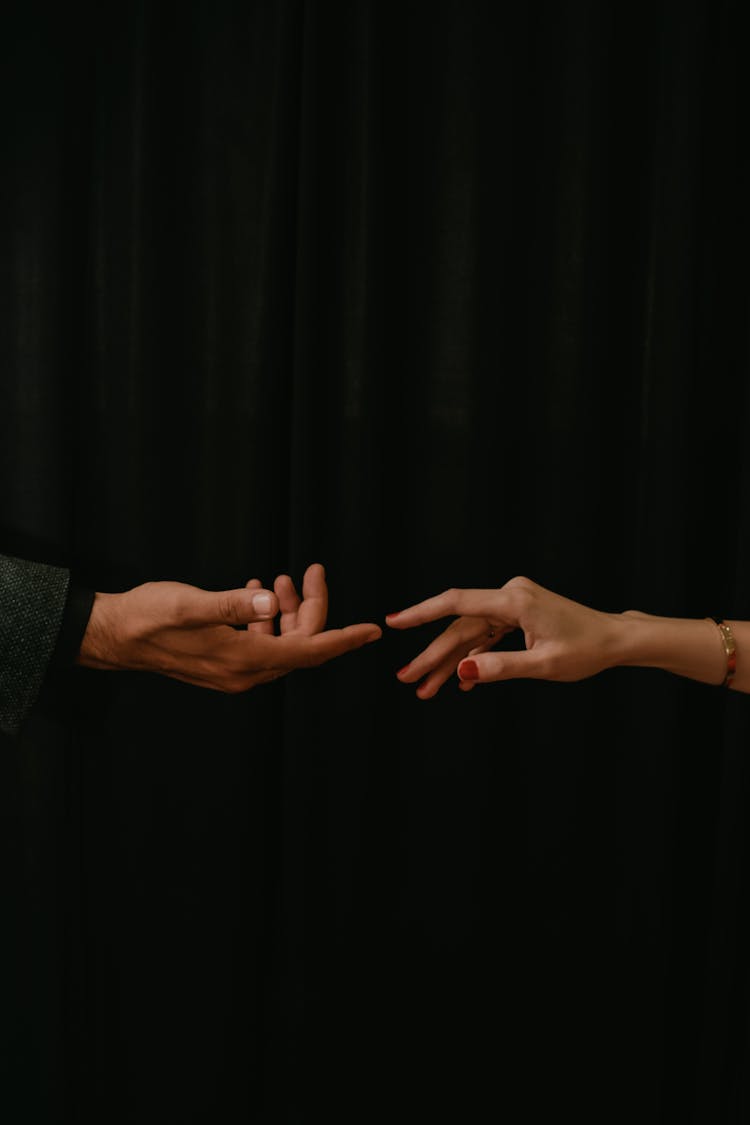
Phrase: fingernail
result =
(396, 614)
(402, 670)
(468, 670)
(262, 603)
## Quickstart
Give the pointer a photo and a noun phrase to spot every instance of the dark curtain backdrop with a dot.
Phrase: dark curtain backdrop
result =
(434, 294)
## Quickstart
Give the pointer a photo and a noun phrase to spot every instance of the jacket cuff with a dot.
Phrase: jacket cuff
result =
(31, 608)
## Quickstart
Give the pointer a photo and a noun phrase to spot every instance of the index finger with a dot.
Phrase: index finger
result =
(295, 650)
(458, 603)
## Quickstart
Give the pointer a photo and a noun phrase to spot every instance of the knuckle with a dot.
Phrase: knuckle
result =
(228, 609)
(523, 591)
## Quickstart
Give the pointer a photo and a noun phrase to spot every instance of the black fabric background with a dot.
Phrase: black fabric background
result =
(434, 294)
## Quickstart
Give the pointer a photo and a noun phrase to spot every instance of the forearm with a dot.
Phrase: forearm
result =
(684, 646)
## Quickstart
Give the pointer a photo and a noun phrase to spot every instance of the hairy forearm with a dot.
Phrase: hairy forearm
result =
(103, 644)
(685, 646)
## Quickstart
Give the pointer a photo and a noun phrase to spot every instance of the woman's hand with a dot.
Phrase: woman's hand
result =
(564, 640)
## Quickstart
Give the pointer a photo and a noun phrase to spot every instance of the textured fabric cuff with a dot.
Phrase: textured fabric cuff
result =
(32, 600)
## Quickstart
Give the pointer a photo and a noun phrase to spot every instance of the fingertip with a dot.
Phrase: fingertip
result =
(468, 670)
(265, 604)
(314, 582)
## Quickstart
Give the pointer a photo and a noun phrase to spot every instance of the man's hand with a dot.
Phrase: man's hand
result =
(223, 640)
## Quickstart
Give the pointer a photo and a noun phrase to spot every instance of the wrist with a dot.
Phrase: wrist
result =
(101, 645)
(689, 647)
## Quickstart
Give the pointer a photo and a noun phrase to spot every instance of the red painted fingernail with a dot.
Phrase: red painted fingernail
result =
(401, 670)
(469, 670)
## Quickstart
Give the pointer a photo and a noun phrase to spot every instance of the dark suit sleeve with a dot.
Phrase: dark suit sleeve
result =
(42, 619)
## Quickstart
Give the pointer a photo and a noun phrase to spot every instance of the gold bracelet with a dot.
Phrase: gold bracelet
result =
(730, 649)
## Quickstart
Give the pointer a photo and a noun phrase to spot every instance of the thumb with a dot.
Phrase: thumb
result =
(491, 667)
(231, 607)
